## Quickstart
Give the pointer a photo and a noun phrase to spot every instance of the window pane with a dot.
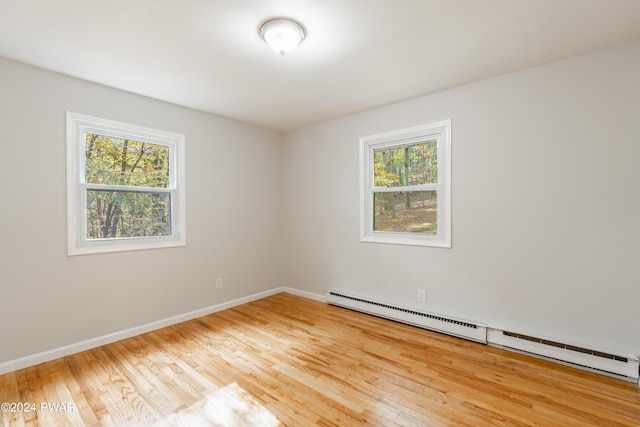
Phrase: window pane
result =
(116, 161)
(406, 212)
(411, 165)
(124, 214)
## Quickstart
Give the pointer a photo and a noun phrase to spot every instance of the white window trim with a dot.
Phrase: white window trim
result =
(440, 131)
(77, 243)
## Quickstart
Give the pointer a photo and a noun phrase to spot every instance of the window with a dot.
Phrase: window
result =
(125, 186)
(405, 180)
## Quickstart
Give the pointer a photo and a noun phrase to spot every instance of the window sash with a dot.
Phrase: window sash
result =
(418, 187)
(84, 188)
(420, 236)
(403, 188)
(126, 188)
(81, 147)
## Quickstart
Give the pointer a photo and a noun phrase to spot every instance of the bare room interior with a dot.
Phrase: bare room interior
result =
(336, 213)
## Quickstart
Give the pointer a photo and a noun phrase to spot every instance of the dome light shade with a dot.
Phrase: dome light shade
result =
(282, 35)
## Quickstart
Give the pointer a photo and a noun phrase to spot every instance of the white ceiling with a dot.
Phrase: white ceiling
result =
(358, 54)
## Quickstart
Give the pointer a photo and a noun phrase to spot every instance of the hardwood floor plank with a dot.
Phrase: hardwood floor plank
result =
(289, 361)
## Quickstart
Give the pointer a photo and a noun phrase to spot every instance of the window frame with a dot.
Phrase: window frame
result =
(77, 243)
(439, 131)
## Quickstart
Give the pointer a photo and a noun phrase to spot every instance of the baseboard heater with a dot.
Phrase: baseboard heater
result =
(436, 322)
(619, 366)
(626, 367)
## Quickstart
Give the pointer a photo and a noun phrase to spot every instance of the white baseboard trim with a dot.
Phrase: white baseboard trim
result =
(304, 294)
(56, 353)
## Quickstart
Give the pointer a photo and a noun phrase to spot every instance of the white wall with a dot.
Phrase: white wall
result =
(49, 300)
(546, 202)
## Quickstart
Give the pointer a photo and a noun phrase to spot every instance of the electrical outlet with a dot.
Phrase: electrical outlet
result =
(219, 283)
(422, 295)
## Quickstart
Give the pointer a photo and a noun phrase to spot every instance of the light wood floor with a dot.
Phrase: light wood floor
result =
(286, 360)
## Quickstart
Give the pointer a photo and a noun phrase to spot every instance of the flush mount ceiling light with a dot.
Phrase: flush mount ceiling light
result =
(282, 35)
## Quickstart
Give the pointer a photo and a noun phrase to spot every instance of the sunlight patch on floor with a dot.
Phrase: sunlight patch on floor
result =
(229, 406)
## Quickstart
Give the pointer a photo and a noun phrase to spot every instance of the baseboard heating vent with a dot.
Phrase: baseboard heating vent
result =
(624, 367)
(448, 325)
